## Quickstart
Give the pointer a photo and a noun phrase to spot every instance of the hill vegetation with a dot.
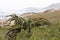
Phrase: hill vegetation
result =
(43, 32)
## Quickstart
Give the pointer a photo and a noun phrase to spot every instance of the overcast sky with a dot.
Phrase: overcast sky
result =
(11, 5)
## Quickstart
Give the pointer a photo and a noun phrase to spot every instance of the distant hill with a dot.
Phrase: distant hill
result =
(32, 9)
(54, 6)
(53, 16)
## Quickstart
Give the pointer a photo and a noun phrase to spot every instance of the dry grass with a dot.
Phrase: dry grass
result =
(53, 16)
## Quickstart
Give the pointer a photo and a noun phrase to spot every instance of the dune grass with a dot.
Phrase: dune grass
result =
(42, 33)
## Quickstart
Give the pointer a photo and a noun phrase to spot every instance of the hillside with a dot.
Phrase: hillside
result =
(51, 15)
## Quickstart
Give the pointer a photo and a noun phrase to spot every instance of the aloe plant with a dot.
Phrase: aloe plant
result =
(22, 23)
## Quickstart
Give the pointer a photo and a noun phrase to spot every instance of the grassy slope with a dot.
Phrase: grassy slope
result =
(43, 33)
